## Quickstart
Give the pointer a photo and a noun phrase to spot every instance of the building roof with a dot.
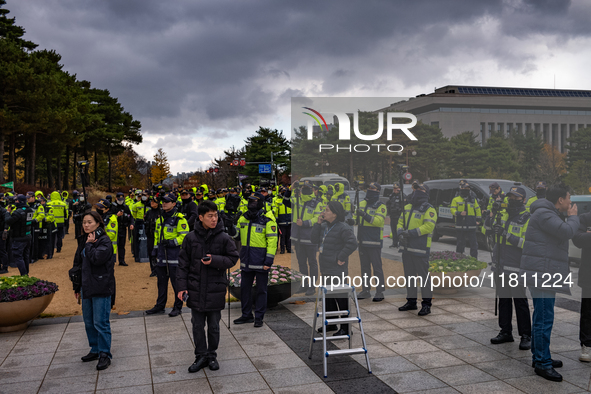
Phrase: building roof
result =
(506, 91)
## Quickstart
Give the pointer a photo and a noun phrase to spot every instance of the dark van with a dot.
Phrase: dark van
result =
(443, 191)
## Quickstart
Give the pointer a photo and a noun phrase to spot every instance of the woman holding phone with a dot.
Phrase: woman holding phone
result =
(94, 283)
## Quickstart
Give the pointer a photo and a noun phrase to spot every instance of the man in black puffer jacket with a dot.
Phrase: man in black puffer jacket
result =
(206, 254)
(582, 239)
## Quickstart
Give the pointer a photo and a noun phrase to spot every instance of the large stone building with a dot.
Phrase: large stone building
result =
(551, 114)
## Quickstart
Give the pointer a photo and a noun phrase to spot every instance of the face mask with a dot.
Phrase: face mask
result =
(144, 198)
(372, 195)
(464, 192)
(514, 204)
(81, 198)
(246, 194)
(541, 193)
(253, 205)
(121, 201)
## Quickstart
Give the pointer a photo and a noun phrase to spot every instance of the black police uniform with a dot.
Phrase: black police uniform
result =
(150, 226)
(20, 223)
(4, 216)
(123, 221)
(395, 206)
(189, 209)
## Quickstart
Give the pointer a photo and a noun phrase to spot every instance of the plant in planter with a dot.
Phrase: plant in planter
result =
(281, 280)
(23, 298)
(453, 264)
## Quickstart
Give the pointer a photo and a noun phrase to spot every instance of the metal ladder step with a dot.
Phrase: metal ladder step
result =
(344, 352)
(334, 313)
(342, 320)
(332, 338)
(336, 289)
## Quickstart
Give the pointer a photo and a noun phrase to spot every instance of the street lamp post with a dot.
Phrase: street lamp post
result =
(414, 153)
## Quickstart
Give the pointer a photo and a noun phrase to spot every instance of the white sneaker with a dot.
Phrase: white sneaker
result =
(585, 354)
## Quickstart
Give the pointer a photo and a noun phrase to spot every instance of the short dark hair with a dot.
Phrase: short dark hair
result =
(96, 216)
(554, 192)
(205, 207)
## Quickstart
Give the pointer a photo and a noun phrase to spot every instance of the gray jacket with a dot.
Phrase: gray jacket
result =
(545, 251)
(337, 242)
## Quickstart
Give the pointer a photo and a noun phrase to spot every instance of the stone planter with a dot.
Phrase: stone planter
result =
(16, 315)
(275, 293)
(447, 290)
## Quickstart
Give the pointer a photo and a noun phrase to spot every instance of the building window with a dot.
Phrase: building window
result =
(436, 124)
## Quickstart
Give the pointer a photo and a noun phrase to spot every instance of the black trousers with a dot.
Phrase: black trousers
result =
(135, 243)
(371, 257)
(77, 228)
(338, 304)
(470, 235)
(59, 236)
(153, 259)
(417, 266)
(163, 275)
(21, 249)
(306, 255)
(285, 238)
(507, 297)
(3, 255)
(585, 320)
(206, 346)
(121, 239)
(67, 223)
(393, 224)
(260, 302)
(34, 254)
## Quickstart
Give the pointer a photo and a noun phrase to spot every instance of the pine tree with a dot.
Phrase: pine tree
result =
(160, 168)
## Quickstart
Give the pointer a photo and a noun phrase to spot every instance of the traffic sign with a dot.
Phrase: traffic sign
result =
(264, 168)
(216, 169)
(235, 162)
(407, 176)
(243, 161)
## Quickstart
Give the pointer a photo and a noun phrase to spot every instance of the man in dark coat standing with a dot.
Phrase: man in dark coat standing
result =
(545, 265)
(582, 239)
(207, 252)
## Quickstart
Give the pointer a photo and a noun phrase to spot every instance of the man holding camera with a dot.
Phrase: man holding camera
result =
(205, 256)
(509, 227)
(415, 229)
(496, 196)
(171, 229)
(467, 212)
(395, 205)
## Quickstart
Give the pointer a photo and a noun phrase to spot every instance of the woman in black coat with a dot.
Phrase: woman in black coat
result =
(93, 275)
(336, 242)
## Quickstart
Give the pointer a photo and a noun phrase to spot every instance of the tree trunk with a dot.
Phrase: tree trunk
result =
(32, 156)
(95, 166)
(12, 158)
(74, 172)
(49, 172)
(109, 158)
(66, 185)
(58, 167)
(1, 157)
(26, 161)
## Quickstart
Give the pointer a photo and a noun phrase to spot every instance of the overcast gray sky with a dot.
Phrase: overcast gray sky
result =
(202, 76)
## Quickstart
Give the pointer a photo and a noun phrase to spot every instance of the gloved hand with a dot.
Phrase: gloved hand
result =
(171, 243)
(404, 234)
(498, 229)
(363, 215)
(350, 222)
(237, 217)
(154, 252)
(4, 235)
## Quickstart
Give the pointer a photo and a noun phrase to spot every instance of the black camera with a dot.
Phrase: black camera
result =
(498, 206)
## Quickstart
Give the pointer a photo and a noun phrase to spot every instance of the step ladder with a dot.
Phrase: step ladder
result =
(327, 319)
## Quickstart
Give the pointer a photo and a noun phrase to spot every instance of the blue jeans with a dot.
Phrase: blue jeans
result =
(542, 321)
(95, 312)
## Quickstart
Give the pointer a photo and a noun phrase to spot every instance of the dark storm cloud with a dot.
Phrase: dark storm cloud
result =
(180, 66)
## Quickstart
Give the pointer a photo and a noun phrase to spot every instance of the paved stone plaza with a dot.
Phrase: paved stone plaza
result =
(446, 352)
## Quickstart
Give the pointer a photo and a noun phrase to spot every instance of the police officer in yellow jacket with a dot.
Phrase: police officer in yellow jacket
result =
(37, 222)
(47, 230)
(415, 229)
(496, 195)
(171, 229)
(283, 214)
(60, 212)
(467, 212)
(370, 217)
(110, 221)
(509, 230)
(340, 196)
(540, 193)
(258, 235)
(138, 211)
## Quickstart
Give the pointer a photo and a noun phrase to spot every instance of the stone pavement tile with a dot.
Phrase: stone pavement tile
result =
(442, 390)
(565, 329)
(461, 374)
(33, 348)
(493, 324)
(68, 345)
(451, 342)
(374, 307)
(538, 385)
(477, 315)
(129, 339)
(57, 371)
(22, 374)
(122, 364)
(580, 377)
(278, 361)
(163, 327)
(170, 346)
(506, 369)
(145, 389)
(45, 328)
(445, 319)
(129, 350)
(410, 323)
(197, 386)
(30, 387)
(477, 354)
(77, 384)
(356, 386)
(39, 337)
(430, 332)
(256, 337)
(267, 349)
(433, 359)
(561, 344)
(570, 360)
(378, 350)
(290, 377)
(230, 353)
(135, 329)
(316, 388)
(232, 367)
(342, 368)
(174, 373)
(466, 328)
(167, 359)
(392, 336)
(390, 365)
(238, 383)
(482, 337)
(8, 342)
(157, 337)
(369, 317)
(457, 308)
(411, 347)
(407, 382)
(493, 387)
(33, 360)
(377, 326)
(123, 379)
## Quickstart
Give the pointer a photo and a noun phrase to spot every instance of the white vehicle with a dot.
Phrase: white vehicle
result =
(327, 179)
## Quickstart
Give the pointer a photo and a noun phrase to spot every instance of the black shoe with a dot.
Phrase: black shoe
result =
(310, 292)
(549, 374)
(4, 271)
(378, 297)
(153, 274)
(341, 332)
(90, 357)
(555, 364)
(330, 327)
(175, 312)
(408, 307)
(243, 320)
(104, 362)
(200, 362)
(154, 310)
(282, 252)
(258, 323)
(425, 310)
(124, 264)
(525, 343)
(363, 295)
(502, 338)
(214, 365)
(288, 250)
